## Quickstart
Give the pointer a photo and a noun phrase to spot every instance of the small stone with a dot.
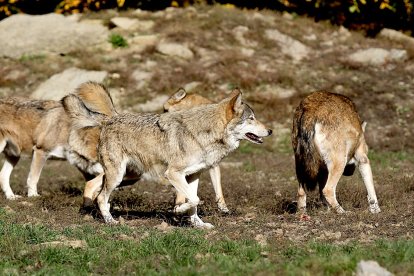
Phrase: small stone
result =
(175, 49)
(371, 268)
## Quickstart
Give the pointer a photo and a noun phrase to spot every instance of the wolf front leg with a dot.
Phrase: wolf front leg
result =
(366, 173)
(215, 176)
(177, 179)
(194, 218)
(38, 161)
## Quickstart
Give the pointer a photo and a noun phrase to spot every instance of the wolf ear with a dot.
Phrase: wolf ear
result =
(179, 95)
(363, 125)
(235, 103)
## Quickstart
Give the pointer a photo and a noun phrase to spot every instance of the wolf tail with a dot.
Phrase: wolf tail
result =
(89, 106)
(310, 168)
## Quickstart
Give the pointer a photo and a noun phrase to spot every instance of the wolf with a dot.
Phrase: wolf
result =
(176, 145)
(328, 141)
(39, 128)
(182, 101)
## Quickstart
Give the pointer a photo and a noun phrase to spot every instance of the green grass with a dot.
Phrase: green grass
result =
(388, 159)
(26, 58)
(183, 251)
(118, 41)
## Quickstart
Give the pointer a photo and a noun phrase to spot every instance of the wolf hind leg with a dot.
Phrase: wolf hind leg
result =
(113, 177)
(92, 188)
(366, 173)
(9, 163)
(301, 200)
(38, 161)
(329, 191)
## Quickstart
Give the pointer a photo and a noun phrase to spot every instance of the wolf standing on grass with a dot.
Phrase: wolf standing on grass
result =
(175, 145)
(328, 141)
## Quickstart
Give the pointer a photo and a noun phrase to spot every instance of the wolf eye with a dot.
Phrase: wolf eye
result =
(251, 118)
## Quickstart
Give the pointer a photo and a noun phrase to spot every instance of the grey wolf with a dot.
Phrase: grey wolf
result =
(328, 141)
(182, 101)
(176, 145)
(40, 128)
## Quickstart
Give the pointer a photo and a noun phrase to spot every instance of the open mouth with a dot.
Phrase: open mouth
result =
(254, 138)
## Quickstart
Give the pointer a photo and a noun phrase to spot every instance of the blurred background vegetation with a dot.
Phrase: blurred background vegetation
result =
(368, 15)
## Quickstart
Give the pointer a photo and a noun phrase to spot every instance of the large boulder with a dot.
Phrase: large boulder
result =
(24, 34)
(61, 84)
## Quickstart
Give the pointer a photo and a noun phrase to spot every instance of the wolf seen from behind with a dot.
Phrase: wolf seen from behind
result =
(328, 141)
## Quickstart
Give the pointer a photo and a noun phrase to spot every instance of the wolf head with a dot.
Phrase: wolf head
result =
(182, 101)
(242, 122)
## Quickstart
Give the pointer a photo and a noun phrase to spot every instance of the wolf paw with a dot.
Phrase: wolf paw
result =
(13, 197)
(110, 220)
(33, 194)
(223, 208)
(338, 209)
(374, 208)
(198, 223)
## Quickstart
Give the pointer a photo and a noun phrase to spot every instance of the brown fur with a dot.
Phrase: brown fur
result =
(182, 101)
(40, 127)
(328, 140)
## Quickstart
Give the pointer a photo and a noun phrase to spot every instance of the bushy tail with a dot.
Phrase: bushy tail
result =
(96, 98)
(89, 106)
(310, 169)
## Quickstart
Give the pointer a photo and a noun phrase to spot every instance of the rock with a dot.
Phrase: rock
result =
(344, 33)
(247, 52)
(33, 35)
(153, 105)
(269, 19)
(26, 203)
(145, 40)
(141, 77)
(269, 92)
(377, 56)
(371, 268)
(288, 45)
(397, 36)
(239, 33)
(189, 87)
(131, 24)
(175, 49)
(164, 227)
(124, 22)
(63, 83)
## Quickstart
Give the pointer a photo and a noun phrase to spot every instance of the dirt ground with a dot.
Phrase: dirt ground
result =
(259, 181)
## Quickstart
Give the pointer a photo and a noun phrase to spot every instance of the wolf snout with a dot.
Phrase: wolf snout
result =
(269, 132)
